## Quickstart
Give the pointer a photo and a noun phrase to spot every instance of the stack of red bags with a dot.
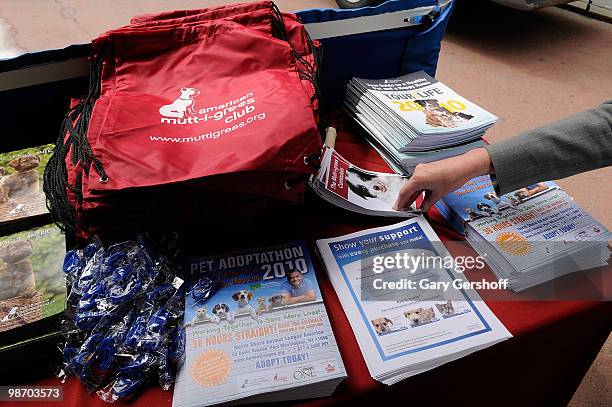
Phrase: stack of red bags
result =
(191, 115)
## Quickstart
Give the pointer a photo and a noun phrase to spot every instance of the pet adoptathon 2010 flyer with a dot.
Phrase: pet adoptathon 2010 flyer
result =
(264, 330)
(544, 227)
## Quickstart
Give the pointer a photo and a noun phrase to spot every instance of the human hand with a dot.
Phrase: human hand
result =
(439, 178)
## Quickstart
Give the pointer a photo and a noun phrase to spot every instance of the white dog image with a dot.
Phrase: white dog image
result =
(200, 316)
(183, 106)
(499, 203)
(243, 297)
(486, 209)
(373, 186)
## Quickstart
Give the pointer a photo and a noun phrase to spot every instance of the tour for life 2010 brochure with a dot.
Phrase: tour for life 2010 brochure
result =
(415, 112)
(403, 330)
(264, 334)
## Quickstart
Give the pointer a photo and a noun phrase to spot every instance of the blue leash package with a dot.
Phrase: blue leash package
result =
(123, 325)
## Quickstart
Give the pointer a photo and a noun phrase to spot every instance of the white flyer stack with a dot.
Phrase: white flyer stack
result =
(263, 336)
(545, 237)
(414, 118)
(529, 236)
(405, 332)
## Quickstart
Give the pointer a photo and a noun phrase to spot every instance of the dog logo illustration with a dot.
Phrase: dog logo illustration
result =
(183, 106)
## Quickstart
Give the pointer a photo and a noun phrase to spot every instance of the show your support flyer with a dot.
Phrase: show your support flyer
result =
(265, 330)
(399, 294)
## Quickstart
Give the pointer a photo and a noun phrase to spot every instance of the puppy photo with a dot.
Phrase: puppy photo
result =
(473, 214)
(221, 311)
(438, 116)
(243, 298)
(381, 325)
(515, 201)
(276, 301)
(261, 305)
(375, 187)
(200, 316)
(420, 316)
(499, 203)
(486, 209)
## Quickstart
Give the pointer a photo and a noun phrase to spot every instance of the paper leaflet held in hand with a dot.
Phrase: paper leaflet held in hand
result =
(350, 187)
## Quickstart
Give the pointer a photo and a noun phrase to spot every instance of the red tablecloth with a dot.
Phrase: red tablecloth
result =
(553, 346)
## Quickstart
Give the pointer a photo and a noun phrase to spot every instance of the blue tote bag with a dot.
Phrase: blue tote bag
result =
(391, 39)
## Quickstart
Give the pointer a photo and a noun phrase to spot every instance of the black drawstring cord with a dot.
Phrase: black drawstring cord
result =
(73, 133)
(313, 160)
(290, 183)
(306, 70)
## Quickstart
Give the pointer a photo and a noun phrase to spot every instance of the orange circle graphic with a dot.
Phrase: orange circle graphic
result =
(514, 244)
(211, 368)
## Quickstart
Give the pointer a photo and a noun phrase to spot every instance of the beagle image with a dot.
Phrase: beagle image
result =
(243, 298)
(222, 311)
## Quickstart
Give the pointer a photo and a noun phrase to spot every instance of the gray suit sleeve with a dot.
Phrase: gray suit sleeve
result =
(579, 143)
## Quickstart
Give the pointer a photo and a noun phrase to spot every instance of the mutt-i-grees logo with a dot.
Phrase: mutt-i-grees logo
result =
(183, 110)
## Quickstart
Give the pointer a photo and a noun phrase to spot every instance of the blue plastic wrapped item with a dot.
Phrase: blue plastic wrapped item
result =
(177, 350)
(124, 318)
(205, 287)
(74, 261)
(122, 387)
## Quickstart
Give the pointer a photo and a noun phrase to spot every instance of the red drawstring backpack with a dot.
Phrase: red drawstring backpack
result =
(190, 112)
